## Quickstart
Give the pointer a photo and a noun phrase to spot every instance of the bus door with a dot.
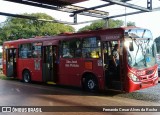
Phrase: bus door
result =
(49, 63)
(11, 62)
(112, 71)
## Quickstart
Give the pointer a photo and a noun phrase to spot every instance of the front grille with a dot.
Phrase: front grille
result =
(145, 78)
(148, 72)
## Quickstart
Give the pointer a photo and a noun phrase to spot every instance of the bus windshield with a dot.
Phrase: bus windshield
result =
(140, 48)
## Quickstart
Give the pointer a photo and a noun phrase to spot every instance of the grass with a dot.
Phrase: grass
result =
(3, 77)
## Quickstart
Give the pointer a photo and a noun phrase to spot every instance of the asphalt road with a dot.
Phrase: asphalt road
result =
(15, 93)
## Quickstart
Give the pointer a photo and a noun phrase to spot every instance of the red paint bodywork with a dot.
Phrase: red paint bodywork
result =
(73, 75)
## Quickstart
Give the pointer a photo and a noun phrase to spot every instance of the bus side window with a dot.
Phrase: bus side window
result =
(71, 49)
(91, 47)
(66, 51)
(25, 51)
(36, 50)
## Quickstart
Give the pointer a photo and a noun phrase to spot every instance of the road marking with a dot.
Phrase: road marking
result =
(43, 87)
(18, 90)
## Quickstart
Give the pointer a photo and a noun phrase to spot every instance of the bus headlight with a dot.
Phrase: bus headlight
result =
(133, 77)
(156, 74)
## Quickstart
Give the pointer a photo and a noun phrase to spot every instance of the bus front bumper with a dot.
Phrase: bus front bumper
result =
(143, 84)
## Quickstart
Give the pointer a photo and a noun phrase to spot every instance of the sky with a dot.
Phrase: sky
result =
(146, 20)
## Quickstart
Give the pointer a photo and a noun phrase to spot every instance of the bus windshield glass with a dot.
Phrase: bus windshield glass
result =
(141, 50)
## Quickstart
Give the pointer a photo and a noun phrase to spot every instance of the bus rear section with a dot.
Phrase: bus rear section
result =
(10, 60)
(30, 60)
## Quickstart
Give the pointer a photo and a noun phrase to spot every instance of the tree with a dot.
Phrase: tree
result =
(131, 24)
(14, 28)
(101, 24)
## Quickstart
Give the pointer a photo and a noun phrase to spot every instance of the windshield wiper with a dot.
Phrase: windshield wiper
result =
(143, 44)
(143, 33)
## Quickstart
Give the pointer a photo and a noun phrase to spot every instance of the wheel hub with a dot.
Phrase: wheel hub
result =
(26, 77)
(91, 84)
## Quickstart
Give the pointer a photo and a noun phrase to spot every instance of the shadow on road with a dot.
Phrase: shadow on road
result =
(48, 89)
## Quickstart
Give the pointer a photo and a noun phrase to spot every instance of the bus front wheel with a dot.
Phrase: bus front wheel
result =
(91, 84)
(26, 76)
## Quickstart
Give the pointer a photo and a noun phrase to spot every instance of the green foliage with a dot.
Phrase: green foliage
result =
(131, 24)
(14, 28)
(115, 23)
(101, 24)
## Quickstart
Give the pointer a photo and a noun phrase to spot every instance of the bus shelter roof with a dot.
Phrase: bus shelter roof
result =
(76, 7)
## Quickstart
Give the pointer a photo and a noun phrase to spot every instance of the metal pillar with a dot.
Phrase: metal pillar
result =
(75, 18)
(106, 23)
(149, 4)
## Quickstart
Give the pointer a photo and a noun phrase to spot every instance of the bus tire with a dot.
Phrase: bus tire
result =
(90, 83)
(26, 76)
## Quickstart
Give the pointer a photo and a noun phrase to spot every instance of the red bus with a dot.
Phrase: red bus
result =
(86, 59)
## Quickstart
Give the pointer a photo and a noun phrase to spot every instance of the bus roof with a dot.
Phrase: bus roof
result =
(102, 32)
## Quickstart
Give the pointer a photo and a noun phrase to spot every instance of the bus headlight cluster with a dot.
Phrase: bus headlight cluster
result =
(133, 77)
(156, 74)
